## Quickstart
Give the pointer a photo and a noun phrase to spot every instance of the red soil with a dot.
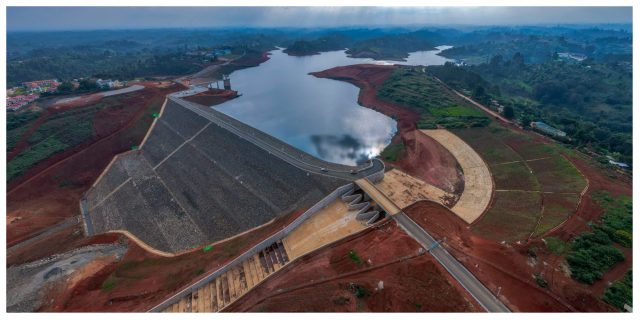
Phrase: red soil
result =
(494, 264)
(59, 242)
(81, 101)
(321, 281)
(143, 280)
(49, 192)
(212, 97)
(423, 157)
(510, 268)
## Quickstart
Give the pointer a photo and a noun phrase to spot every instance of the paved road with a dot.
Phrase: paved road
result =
(479, 292)
(487, 110)
(282, 150)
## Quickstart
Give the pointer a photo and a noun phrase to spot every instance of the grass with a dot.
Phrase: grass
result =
(60, 132)
(505, 151)
(557, 209)
(32, 155)
(14, 135)
(21, 119)
(513, 216)
(456, 111)
(514, 176)
(487, 142)
(109, 284)
(391, 152)
(556, 245)
(557, 174)
(433, 101)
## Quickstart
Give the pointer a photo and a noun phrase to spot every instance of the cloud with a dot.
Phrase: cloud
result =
(72, 18)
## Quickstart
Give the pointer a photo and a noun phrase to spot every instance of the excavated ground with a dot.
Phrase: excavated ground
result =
(194, 182)
(384, 272)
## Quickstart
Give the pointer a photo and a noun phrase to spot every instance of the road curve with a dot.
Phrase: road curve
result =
(479, 292)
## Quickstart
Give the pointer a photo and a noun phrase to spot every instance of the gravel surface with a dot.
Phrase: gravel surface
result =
(26, 283)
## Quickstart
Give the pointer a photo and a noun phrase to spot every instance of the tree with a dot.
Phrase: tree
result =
(518, 60)
(65, 87)
(87, 85)
(508, 112)
(526, 120)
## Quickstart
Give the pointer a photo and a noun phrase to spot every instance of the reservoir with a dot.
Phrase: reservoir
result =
(319, 116)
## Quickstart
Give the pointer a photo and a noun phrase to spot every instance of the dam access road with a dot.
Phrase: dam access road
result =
(282, 150)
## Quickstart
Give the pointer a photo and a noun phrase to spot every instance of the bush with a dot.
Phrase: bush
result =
(621, 292)
(541, 281)
(354, 257)
(391, 152)
(588, 259)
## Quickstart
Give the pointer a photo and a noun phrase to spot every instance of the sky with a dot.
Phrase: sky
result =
(91, 18)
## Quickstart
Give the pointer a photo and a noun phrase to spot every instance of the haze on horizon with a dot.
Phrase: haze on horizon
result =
(92, 18)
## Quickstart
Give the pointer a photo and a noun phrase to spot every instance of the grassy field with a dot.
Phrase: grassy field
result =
(519, 163)
(436, 104)
(514, 176)
(513, 216)
(557, 209)
(557, 174)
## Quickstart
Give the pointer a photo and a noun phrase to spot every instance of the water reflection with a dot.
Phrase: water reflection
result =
(319, 116)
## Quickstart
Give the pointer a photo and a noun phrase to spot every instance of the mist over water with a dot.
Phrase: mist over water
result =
(319, 116)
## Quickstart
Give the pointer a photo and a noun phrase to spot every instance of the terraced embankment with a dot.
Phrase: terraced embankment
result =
(201, 176)
(478, 185)
(194, 182)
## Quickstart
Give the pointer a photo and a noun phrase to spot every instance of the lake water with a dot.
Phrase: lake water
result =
(319, 116)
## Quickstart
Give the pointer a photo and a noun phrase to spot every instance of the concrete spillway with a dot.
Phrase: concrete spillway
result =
(196, 181)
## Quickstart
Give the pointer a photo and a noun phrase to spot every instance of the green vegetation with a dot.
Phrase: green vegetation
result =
(589, 100)
(354, 257)
(617, 221)
(591, 255)
(59, 132)
(434, 102)
(207, 248)
(55, 135)
(109, 284)
(391, 47)
(557, 208)
(513, 216)
(391, 152)
(621, 292)
(541, 281)
(330, 42)
(556, 245)
(34, 154)
(13, 136)
(20, 119)
(358, 290)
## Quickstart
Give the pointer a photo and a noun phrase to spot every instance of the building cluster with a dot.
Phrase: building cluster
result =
(29, 91)
(17, 102)
(545, 128)
(41, 86)
(110, 84)
(572, 56)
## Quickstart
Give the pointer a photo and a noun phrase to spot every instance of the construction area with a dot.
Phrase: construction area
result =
(343, 213)
(478, 185)
(194, 182)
